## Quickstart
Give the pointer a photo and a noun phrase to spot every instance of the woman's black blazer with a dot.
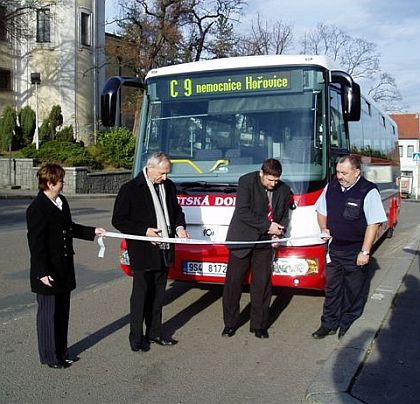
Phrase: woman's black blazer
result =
(50, 238)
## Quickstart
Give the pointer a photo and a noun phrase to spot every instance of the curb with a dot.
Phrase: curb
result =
(334, 381)
(32, 195)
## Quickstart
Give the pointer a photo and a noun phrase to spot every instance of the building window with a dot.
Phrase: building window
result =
(410, 150)
(85, 29)
(5, 80)
(401, 150)
(3, 31)
(43, 25)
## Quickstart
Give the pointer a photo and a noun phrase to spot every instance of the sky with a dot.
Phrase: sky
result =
(393, 25)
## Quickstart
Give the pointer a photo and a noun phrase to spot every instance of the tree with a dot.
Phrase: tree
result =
(166, 32)
(225, 40)
(384, 91)
(203, 19)
(14, 17)
(267, 38)
(8, 128)
(27, 122)
(357, 56)
(49, 127)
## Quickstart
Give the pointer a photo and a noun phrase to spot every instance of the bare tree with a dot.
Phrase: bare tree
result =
(384, 91)
(357, 56)
(153, 32)
(205, 19)
(172, 31)
(267, 38)
(225, 40)
(14, 16)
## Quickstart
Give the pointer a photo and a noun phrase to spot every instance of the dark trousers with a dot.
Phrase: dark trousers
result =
(343, 290)
(52, 326)
(260, 262)
(146, 304)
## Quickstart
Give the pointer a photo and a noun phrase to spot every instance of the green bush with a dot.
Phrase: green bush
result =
(48, 129)
(66, 134)
(117, 146)
(27, 119)
(9, 131)
(65, 153)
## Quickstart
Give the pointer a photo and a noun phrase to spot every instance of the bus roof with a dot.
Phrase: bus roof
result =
(243, 62)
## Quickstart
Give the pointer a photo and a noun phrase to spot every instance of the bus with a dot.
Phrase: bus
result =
(219, 119)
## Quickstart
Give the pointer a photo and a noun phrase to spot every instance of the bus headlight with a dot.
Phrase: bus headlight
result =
(295, 266)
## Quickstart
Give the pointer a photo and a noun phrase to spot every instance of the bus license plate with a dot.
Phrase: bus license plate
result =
(204, 268)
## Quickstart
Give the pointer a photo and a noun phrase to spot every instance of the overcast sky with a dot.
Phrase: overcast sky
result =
(394, 25)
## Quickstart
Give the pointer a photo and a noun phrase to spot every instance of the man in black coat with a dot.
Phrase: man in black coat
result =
(148, 206)
(50, 238)
(261, 213)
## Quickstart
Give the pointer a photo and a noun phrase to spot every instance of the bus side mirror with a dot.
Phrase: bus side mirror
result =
(351, 102)
(109, 101)
(110, 95)
(350, 95)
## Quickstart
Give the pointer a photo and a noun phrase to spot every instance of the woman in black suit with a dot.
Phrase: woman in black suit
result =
(50, 238)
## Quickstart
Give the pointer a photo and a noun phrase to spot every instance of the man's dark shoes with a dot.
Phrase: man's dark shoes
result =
(342, 332)
(228, 332)
(323, 332)
(59, 365)
(163, 341)
(260, 333)
(143, 346)
(71, 360)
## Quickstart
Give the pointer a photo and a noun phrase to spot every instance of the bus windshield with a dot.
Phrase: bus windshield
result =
(217, 126)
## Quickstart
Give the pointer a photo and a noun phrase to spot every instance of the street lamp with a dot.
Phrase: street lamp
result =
(36, 79)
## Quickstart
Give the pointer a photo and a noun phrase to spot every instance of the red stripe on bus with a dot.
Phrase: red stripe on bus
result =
(229, 200)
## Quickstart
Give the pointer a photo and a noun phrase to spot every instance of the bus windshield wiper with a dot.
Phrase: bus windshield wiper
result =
(211, 186)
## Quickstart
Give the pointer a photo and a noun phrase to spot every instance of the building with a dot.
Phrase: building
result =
(409, 144)
(63, 41)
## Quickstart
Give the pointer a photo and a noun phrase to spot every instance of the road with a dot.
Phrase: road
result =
(203, 367)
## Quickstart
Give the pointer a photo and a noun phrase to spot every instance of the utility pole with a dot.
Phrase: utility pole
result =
(36, 79)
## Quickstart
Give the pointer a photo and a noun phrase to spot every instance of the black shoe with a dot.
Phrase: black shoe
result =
(323, 332)
(70, 360)
(261, 333)
(65, 363)
(228, 332)
(342, 332)
(143, 346)
(163, 341)
(59, 365)
(55, 365)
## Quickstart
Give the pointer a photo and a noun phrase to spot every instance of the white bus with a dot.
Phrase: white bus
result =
(221, 118)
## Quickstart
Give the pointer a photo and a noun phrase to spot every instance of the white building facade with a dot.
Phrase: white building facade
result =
(409, 145)
(65, 44)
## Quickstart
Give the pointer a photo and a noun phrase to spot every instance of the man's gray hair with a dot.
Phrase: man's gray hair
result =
(352, 159)
(156, 158)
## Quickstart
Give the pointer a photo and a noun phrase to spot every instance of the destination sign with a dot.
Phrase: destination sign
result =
(191, 87)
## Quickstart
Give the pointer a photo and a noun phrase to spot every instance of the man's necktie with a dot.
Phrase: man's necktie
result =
(269, 211)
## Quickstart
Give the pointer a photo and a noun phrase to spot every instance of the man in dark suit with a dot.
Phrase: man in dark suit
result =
(148, 206)
(261, 213)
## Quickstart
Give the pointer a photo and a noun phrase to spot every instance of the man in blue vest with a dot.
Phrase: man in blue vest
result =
(350, 212)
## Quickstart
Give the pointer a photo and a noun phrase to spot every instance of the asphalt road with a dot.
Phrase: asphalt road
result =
(203, 367)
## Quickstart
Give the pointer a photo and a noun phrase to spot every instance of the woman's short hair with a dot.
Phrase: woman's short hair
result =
(49, 172)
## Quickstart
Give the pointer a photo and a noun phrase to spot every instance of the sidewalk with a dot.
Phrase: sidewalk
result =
(377, 361)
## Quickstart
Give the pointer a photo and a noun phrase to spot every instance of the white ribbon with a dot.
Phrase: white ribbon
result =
(193, 241)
